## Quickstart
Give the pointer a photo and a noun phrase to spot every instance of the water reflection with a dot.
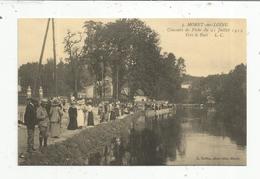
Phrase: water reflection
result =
(174, 140)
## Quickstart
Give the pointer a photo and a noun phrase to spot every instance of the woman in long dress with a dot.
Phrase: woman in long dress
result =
(90, 115)
(116, 109)
(55, 119)
(85, 110)
(106, 108)
(112, 113)
(80, 112)
(101, 110)
(73, 117)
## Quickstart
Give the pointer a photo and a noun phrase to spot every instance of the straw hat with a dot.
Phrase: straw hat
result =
(73, 102)
(44, 101)
(81, 102)
(55, 102)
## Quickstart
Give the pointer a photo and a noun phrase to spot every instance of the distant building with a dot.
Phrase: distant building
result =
(108, 91)
(186, 85)
(94, 90)
(211, 101)
(89, 90)
(140, 96)
(125, 91)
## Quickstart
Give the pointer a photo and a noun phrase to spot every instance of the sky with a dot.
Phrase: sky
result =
(208, 53)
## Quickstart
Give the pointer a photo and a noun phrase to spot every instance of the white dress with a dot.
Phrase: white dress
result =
(80, 117)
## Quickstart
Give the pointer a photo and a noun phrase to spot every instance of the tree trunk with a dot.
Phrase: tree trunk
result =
(76, 82)
(75, 70)
(114, 86)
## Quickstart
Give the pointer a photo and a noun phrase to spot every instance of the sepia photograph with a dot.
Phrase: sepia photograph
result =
(132, 91)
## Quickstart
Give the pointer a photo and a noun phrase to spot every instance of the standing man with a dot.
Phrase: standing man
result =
(43, 125)
(30, 122)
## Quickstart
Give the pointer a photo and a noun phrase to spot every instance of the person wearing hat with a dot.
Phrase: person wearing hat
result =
(55, 118)
(102, 112)
(30, 122)
(112, 112)
(90, 115)
(73, 116)
(116, 109)
(80, 113)
(43, 122)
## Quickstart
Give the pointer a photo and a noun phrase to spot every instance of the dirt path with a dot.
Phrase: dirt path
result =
(22, 133)
(65, 134)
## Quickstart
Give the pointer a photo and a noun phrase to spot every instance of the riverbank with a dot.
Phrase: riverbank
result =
(76, 150)
(22, 131)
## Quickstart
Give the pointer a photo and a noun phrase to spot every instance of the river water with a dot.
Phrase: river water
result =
(191, 137)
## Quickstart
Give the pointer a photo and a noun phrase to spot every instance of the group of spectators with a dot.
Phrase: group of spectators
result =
(48, 115)
(80, 114)
(110, 111)
(158, 106)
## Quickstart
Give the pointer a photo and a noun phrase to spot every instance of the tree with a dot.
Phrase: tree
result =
(229, 92)
(126, 49)
(95, 54)
(65, 81)
(134, 54)
(233, 102)
(47, 76)
(73, 49)
(25, 76)
(131, 50)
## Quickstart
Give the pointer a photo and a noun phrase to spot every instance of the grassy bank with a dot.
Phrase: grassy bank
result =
(76, 150)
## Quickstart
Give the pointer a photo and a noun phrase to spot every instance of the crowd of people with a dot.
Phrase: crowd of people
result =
(49, 113)
(110, 111)
(80, 114)
(158, 106)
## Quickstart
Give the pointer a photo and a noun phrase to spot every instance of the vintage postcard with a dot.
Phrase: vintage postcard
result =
(132, 91)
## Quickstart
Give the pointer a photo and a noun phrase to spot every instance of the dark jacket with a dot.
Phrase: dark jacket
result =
(30, 116)
(73, 118)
